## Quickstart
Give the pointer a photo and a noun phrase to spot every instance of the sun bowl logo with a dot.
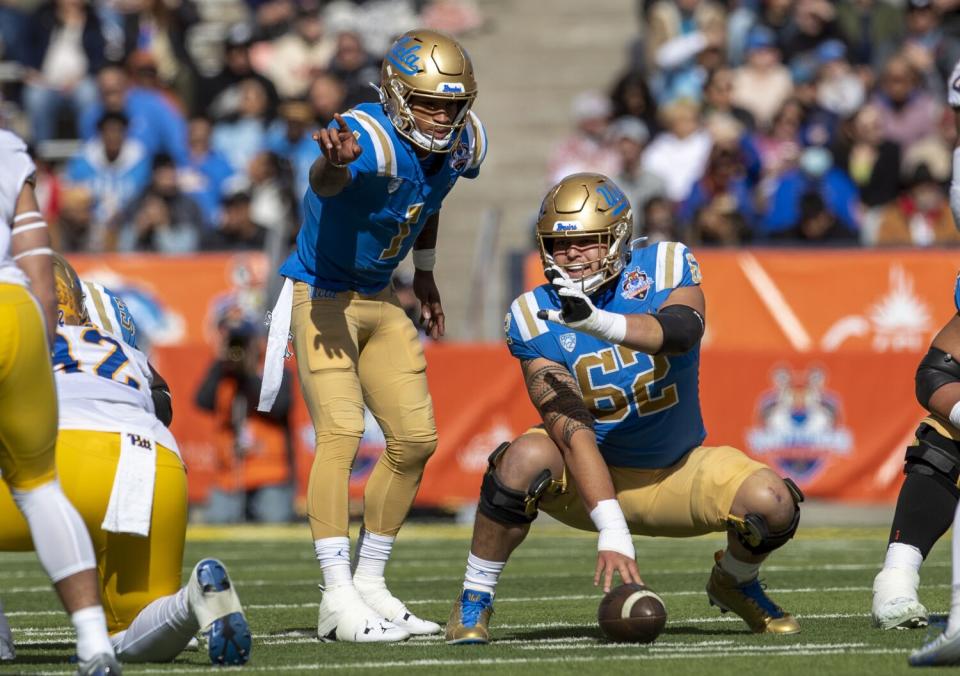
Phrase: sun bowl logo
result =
(636, 284)
(799, 427)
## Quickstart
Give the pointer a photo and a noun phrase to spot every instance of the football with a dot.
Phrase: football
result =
(632, 613)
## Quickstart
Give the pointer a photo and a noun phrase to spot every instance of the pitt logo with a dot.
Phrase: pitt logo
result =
(614, 198)
(404, 56)
(636, 284)
(138, 441)
(566, 226)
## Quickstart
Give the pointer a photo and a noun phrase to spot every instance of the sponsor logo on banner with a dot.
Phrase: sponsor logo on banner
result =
(636, 283)
(799, 428)
(899, 321)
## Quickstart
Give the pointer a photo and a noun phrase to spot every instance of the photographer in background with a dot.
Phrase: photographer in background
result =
(255, 468)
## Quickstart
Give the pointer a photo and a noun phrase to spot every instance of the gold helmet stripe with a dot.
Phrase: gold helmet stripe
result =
(382, 145)
(524, 310)
(102, 318)
(478, 139)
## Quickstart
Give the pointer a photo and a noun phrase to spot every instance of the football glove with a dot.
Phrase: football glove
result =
(579, 313)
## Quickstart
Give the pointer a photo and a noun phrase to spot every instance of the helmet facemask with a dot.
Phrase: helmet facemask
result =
(615, 240)
(395, 95)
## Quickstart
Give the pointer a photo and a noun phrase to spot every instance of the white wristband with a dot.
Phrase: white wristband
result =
(608, 326)
(955, 415)
(424, 259)
(614, 533)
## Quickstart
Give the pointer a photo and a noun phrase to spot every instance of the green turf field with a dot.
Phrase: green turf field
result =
(545, 610)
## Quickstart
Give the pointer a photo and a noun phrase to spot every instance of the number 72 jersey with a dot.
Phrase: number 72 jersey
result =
(646, 407)
(103, 385)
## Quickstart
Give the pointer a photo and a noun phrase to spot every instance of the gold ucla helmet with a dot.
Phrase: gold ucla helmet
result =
(70, 307)
(432, 65)
(589, 207)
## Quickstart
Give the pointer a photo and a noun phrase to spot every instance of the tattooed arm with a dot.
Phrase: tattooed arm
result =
(554, 392)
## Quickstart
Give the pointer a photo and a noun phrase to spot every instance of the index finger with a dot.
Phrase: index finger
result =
(341, 122)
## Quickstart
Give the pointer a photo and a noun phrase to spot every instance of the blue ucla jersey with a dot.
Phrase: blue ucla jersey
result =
(956, 293)
(647, 408)
(354, 240)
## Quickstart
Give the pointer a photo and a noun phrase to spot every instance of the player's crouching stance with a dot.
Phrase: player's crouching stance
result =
(610, 354)
(120, 466)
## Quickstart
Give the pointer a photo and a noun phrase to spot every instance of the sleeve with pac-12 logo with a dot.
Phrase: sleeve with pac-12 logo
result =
(108, 312)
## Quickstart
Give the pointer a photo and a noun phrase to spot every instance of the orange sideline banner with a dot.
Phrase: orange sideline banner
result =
(807, 365)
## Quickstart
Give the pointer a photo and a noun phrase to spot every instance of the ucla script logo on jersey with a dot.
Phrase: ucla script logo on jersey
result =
(635, 285)
(800, 426)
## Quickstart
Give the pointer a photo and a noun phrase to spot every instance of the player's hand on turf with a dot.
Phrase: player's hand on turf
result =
(431, 310)
(338, 145)
(609, 561)
(576, 309)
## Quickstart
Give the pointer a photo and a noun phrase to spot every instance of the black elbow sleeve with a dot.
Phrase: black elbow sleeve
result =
(682, 328)
(936, 369)
(162, 405)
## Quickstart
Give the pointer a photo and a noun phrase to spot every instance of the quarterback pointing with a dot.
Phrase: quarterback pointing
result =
(375, 192)
(610, 353)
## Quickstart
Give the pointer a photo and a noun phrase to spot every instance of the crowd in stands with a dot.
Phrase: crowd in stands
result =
(780, 121)
(177, 126)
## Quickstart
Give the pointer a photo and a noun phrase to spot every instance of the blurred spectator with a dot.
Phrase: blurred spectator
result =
(290, 137)
(779, 146)
(919, 217)
(74, 230)
(113, 167)
(925, 44)
(159, 28)
(220, 95)
(240, 138)
(629, 136)
(153, 121)
(867, 27)
(659, 224)
(204, 176)
(814, 22)
(678, 155)
(62, 46)
(762, 83)
(356, 68)
(718, 97)
(452, 16)
(378, 22)
(273, 204)
(253, 460)
(816, 225)
(162, 219)
(631, 96)
(719, 209)
(868, 158)
(840, 92)
(680, 33)
(297, 56)
(236, 231)
(908, 112)
(585, 149)
(326, 97)
(815, 174)
(775, 15)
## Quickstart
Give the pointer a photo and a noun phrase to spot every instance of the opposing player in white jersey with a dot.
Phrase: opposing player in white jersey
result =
(28, 412)
(122, 468)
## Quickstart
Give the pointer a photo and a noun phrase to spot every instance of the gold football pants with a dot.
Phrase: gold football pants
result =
(354, 349)
(28, 396)
(134, 571)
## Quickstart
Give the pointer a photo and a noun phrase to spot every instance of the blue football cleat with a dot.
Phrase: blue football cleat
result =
(944, 649)
(217, 608)
(470, 618)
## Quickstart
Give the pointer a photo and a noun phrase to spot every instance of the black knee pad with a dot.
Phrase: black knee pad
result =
(936, 456)
(754, 532)
(507, 505)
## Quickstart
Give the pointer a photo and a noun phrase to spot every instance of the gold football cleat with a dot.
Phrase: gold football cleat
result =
(749, 601)
(469, 621)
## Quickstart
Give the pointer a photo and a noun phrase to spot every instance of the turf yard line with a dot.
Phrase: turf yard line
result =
(745, 649)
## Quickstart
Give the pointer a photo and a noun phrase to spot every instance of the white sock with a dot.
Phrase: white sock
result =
(334, 557)
(482, 575)
(59, 536)
(373, 552)
(159, 632)
(742, 571)
(900, 555)
(953, 624)
(92, 638)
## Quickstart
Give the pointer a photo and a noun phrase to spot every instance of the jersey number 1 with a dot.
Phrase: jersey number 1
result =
(413, 215)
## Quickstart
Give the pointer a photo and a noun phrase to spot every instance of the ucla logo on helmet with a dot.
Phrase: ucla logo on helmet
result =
(614, 198)
(566, 226)
(404, 56)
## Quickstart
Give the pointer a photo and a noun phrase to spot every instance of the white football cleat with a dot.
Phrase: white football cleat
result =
(942, 650)
(214, 602)
(374, 592)
(344, 616)
(895, 602)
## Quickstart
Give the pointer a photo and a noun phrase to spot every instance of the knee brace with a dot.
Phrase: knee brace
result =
(936, 456)
(507, 505)
(754, 532)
